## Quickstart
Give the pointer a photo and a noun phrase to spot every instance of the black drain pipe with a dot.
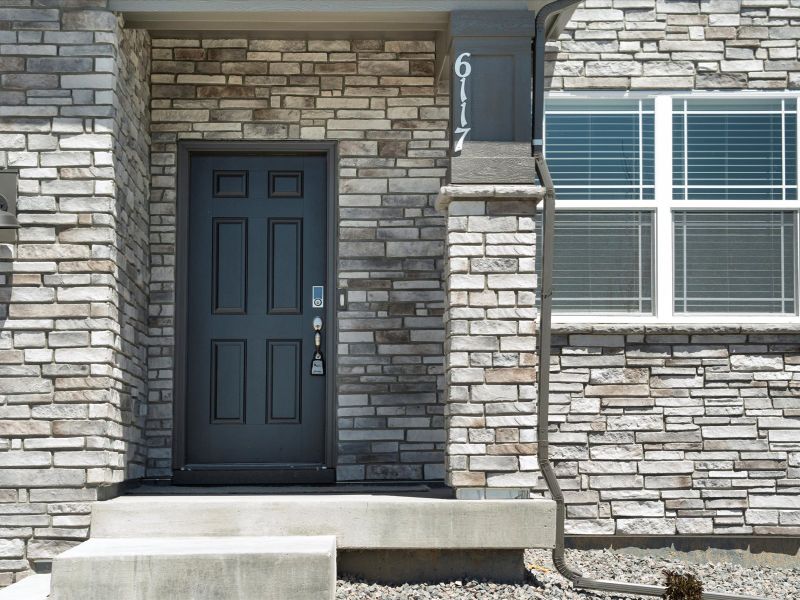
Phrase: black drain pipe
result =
(543, 18)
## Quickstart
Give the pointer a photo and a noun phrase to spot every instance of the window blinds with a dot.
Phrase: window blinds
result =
(734, 261)
(734, 149)
(601, 149)
(602, 261)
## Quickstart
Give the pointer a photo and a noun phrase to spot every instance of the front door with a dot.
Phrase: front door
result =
(257, 262)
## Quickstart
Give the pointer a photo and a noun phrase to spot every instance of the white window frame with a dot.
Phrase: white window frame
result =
(663, 207)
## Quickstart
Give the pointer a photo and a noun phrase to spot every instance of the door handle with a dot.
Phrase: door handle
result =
(317, 334)
(318, 364)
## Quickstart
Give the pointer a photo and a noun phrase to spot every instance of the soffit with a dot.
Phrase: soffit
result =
(342, 18)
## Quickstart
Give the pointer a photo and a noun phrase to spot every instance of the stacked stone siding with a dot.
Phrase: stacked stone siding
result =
(377, 98)
(666, 431)
(131, 250)
(491, 345)
(670, 430)
(677, 44)
(73, 121)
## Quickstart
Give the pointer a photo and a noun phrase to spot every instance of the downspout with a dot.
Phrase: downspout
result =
(543, 408)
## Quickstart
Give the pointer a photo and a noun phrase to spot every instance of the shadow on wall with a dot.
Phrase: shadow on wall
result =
(131, 253)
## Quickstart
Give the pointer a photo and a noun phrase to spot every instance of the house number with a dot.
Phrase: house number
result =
(463, 70)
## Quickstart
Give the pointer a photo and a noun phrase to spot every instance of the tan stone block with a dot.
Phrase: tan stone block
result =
(305, 57)
(359, 124)
(515, 449)
(511, 375)
(343, 68)
(410, 46)
(466, 479)
(329, 45)
(189, 53)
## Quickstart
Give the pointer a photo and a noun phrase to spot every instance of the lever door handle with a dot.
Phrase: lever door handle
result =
(317, 336)
(318, 364)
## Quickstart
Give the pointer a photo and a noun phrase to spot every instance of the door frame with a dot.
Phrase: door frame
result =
(324, 473)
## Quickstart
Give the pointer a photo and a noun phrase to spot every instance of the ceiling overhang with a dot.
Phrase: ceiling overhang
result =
(338, 24)
(326, 19)
(343, 18)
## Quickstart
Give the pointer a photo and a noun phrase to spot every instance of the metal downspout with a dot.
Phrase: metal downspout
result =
(543, 408)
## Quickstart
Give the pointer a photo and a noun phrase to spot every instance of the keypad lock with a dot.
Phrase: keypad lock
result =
(318, 363)
(318, 296)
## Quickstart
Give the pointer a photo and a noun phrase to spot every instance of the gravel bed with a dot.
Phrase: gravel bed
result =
(546, 584)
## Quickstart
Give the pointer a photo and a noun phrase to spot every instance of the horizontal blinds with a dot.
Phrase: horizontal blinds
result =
(601, 150)
(602, 261)
(735, 149)
(734, 261)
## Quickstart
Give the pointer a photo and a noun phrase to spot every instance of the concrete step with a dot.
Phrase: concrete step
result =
(197, 568)
(35, 587)
(358, 521)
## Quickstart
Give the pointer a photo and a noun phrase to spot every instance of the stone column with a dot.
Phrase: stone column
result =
(490, 347)
(74, 90)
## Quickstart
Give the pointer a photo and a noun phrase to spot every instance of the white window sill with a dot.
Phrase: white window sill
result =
(708, 323)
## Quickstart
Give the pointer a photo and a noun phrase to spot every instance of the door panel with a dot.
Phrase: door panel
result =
(285, 377)
(230, 266)
(285, 265)
(257, 244)
(228, 375)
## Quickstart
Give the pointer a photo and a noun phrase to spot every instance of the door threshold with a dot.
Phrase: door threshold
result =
(249, 476)
(166, 487)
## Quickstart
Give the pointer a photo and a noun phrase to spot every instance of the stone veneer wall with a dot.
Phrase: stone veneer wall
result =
(669, 430)
(378, 99)
(676, 44)
(131, 252)
(73, 120)
(491, 332)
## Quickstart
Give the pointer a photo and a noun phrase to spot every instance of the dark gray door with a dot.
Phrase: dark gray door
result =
(257, 246)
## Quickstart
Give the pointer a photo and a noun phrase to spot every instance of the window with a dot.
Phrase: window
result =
(673, 207)
(601, 150)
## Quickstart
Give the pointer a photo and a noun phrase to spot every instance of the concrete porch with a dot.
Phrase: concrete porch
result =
(289, 546)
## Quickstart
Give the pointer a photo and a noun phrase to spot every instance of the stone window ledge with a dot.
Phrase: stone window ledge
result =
(669, 328)
(490, 192)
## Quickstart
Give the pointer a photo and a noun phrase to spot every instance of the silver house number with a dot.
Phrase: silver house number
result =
(463, 70)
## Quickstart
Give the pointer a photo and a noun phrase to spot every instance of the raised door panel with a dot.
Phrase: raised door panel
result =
(229, 266)
(284, 380)
(285, 266)
(228, 376)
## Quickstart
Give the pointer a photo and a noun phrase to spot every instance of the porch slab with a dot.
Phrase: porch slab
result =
(357, 521)
(218, 568)
(35, 587)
